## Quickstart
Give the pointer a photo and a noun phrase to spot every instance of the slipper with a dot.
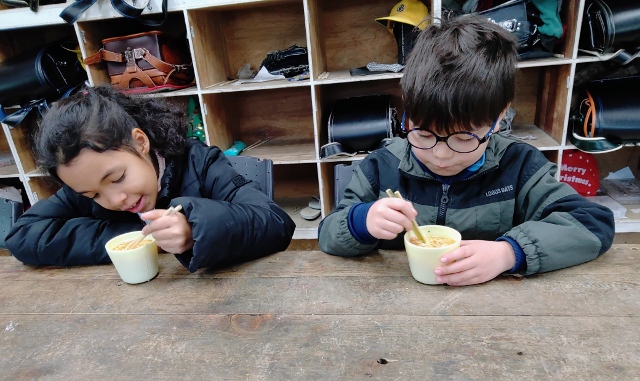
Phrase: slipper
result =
(309, 214)
(314, 204)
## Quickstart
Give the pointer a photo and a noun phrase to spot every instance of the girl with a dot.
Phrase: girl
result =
(120, 156)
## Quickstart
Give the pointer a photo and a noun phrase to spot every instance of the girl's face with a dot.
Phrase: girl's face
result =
(116, 180)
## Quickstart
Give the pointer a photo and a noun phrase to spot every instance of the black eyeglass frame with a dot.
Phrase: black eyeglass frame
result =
(445, 139)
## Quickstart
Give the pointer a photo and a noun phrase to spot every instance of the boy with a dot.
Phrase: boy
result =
(453, 169)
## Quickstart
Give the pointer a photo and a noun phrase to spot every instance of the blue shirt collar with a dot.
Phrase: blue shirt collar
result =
(470, 170)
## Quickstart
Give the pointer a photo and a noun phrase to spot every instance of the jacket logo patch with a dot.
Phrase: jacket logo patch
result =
(494, 192)
(239, 181)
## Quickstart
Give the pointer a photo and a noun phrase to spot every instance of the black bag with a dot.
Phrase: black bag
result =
(611, 25)
(289, 62)
(406, 36)
(32, 4)
(360, 125)
(522, 19)
(130, 9)
(36, 77)
(609, 115)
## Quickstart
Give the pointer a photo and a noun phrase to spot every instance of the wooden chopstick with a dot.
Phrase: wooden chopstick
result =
(256, 144)
(416, 228)
(136, 241)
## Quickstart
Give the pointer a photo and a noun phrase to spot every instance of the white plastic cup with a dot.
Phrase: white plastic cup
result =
(423, 260)
(136, 265)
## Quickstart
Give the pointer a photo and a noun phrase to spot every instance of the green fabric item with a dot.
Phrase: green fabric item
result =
(194, 119)
(550, 17)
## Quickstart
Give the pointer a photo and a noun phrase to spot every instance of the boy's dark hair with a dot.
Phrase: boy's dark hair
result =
(460, 75)
(101, 118)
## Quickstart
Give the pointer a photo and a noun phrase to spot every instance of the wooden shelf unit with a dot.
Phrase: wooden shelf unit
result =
(224, 35)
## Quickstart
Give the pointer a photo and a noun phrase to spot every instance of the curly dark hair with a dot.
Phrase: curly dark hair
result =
(460, 74)
(101, 118)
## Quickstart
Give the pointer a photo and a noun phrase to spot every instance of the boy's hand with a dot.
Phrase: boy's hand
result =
(172, 233)
(389, 217)
(475, 262)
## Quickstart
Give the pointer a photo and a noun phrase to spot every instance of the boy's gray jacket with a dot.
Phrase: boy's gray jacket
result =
(231, 219)
(513, 194)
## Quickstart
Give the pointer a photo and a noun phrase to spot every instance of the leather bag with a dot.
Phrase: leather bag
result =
(609, 115)
(359, 125)
(145, 62)
(36, 77)
(522, 19)
(608, 25)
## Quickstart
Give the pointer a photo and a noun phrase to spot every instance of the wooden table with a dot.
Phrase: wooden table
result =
(305, 315)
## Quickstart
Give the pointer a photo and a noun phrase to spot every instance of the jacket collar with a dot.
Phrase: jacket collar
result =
(400, 148)
(168, 182)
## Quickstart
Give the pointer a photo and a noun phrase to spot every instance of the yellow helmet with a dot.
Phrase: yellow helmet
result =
(412, 12)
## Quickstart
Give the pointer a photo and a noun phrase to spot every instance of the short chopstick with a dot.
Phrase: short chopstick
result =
(136, 241)
(257, 144)
(416, 229)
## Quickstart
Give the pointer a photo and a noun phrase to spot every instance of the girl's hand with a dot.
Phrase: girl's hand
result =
(475, 262)
(172, 233)
(389, 217)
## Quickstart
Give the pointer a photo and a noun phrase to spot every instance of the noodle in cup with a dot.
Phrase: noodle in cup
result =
(424, 259)
(136, 265)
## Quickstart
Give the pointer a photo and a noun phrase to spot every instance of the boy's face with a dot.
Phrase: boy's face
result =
(116, 180)
(443, 161)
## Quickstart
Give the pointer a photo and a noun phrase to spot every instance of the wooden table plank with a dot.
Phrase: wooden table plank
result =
(327, 347)
(608, 286)
(555, 295)
(307, 315)
(308, 264)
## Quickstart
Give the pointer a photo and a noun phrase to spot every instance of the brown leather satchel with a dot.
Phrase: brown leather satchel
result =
(145, 62)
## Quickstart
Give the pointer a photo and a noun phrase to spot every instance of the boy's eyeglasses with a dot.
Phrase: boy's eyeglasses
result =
(461, 141)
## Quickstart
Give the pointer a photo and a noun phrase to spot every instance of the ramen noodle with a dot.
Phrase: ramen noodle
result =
(123, 245)
(432, 241)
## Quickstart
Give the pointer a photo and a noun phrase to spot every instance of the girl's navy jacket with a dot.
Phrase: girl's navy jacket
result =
(231, 219)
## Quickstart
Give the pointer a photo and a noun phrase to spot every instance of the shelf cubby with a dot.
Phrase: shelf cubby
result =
(284, 116)
(294, 187)
(8, 166)
(22, 140)
(328, 94)
(16, 41)
(340, 35)
(225, 38)
(42, 187)
(345, 35)
(93, 32)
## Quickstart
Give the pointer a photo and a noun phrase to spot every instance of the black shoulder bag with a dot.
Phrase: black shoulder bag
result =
(611, 25)
(32, 4)
(35, 78)
(522, 19)
(608, 117)
(128, 8)
(359, 125)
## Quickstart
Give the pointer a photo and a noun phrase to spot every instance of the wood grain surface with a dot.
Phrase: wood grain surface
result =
(305, 315)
